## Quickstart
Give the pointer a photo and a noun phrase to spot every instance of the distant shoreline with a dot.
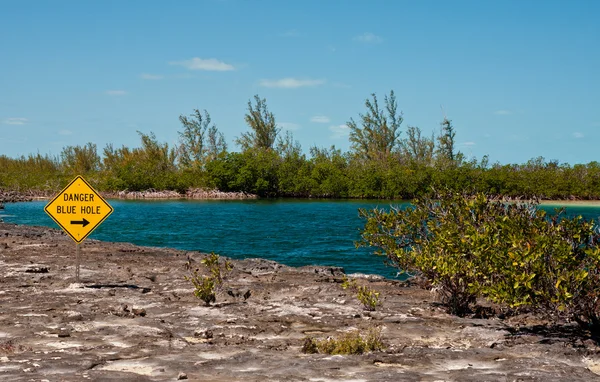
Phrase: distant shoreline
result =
(204, 194)
(579, 203)
(192, 194)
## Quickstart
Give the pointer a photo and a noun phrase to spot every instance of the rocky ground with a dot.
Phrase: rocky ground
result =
(133, 317)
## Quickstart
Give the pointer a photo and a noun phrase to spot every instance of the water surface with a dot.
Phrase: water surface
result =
(292, 232)
(289, 231)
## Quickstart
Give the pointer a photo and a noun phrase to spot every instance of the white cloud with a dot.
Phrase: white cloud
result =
(339, 131)
(320, 119)
(146, 76)
(289, 126)
(116, 92)
(369, 38)
(16, 121)
(503, 112)
(468, 144)
(65, 132)
(210, 64)
(578, 134)
(290, 83)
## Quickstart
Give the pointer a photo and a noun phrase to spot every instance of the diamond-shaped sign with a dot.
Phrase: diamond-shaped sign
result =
(78, 209)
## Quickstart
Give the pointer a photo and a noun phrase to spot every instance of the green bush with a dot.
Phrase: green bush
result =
(367, 296)
(349, 343)
(512, 253)
(425, 239)
(206, 287)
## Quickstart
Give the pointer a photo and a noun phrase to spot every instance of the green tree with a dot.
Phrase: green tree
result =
(329, 175)
(200, 143)
(416, 148)
(446, 143)
(200, 140)
(287, 146)
(293, 170)
(150, 166)
(264, 128)
(257, 173)
(216, 143)
(77, 160)
(222, 171)
(159, 157)
(192, 147)
(376, 135)
(34, 172)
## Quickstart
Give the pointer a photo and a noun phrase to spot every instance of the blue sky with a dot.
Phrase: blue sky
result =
(519, 79)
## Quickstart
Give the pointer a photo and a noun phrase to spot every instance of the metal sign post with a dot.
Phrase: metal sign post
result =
(77, 260)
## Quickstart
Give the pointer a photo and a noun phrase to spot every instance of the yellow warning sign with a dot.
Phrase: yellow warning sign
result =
(78, 209)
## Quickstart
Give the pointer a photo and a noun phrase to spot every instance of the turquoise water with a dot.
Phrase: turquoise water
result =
(292, 232)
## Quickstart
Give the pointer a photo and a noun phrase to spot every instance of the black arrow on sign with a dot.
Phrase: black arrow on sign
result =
(83, 222)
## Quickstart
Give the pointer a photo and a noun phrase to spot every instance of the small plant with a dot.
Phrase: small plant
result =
(11, 347)
(207, 287)
(7, 347)
(348, 343)
(348, 283)
(367, 296)
(310, 346)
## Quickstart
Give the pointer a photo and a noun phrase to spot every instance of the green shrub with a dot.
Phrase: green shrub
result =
(511, 253)
(206, 287)
(426, 239)
(348, 343)
(367, 296)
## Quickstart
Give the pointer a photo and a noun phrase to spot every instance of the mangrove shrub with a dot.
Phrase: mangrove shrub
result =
(510, 252)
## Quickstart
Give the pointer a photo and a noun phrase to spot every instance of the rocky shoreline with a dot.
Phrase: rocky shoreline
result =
(15, 196)
(193, 193)
(133, 317)
(7, 196)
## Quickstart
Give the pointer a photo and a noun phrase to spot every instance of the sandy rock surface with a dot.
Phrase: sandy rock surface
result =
(133, 317)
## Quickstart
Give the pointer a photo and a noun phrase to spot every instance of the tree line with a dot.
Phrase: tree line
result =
(385, 160)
